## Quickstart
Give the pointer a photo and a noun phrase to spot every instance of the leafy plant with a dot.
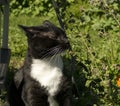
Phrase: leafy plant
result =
(94, 36)
(35, 7)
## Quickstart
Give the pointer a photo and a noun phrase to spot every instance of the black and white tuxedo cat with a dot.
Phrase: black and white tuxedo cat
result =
(41, 81)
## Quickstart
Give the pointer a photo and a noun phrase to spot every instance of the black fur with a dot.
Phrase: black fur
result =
(43, 41)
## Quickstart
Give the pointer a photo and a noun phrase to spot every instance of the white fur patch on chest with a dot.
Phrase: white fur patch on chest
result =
(48, 73)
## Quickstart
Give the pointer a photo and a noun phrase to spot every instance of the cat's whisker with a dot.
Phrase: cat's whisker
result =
(42, 51)
(54, 56)
(46, 55)
(52, 51)
(58, 59)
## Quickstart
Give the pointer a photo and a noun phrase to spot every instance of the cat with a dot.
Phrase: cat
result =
(41, 80)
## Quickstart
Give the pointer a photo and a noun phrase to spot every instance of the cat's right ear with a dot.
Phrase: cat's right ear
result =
(28, 30)
(25, 28)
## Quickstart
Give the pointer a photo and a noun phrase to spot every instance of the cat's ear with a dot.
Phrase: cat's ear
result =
(48, 23)
(29, 31)
(26, 28)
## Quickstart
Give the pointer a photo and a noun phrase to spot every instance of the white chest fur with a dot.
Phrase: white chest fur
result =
(48, 73)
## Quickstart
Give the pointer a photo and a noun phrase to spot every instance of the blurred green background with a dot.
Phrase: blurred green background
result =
(93, 28)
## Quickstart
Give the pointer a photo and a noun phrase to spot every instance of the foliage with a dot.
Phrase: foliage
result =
(93, 28)
(35, 7)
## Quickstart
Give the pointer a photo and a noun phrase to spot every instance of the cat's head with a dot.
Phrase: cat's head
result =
(45, 40)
